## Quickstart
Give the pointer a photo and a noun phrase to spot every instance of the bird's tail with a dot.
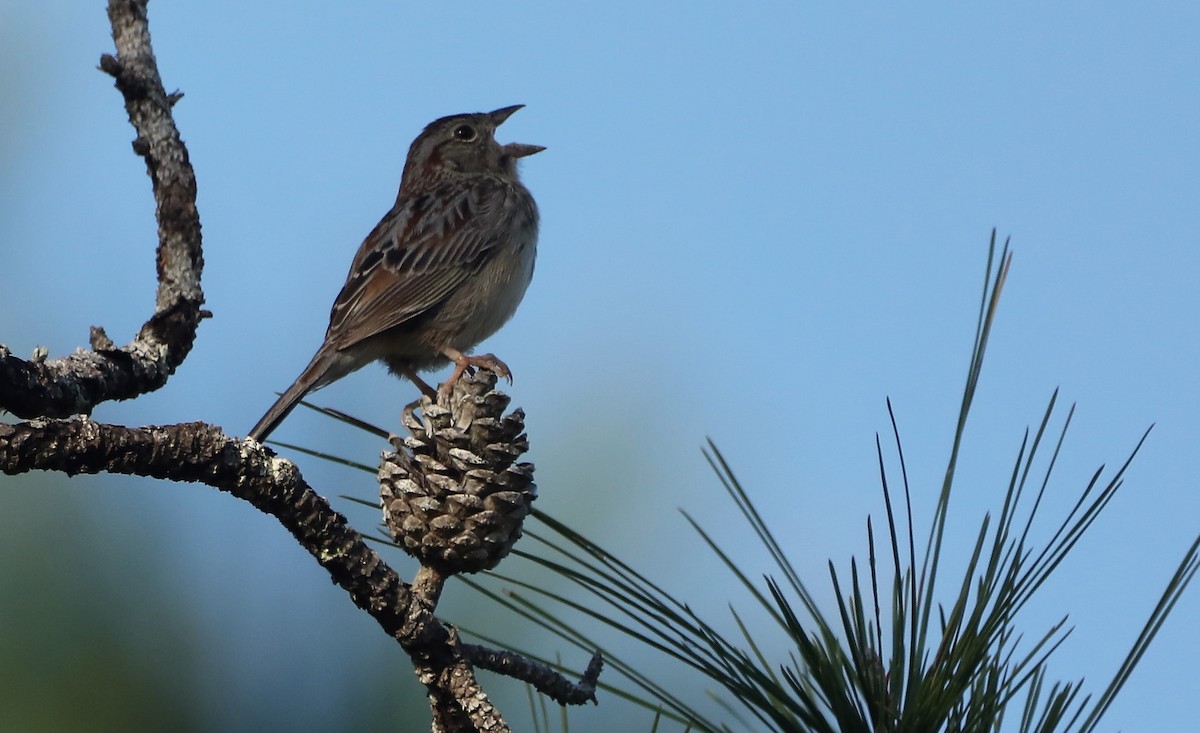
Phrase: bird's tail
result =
(313, 376)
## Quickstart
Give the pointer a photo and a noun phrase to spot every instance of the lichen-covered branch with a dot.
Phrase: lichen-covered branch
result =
(201, 453)
(76, 383)
(197, 452)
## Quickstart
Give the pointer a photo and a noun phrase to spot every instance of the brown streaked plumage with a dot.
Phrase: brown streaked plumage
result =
(443, 270)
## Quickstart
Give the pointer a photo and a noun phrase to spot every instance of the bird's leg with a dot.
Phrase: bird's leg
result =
(412, 376)
(462, 363)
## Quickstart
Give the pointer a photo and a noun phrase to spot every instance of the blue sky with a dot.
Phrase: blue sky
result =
(758, 223)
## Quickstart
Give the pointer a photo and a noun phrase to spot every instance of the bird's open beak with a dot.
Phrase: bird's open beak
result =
(513, 150)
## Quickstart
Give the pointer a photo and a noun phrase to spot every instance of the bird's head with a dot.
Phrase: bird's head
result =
(465, 145)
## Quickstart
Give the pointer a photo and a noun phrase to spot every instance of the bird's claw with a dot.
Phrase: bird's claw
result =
(464, 363)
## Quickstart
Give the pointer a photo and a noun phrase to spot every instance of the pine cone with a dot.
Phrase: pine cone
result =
(452, 494)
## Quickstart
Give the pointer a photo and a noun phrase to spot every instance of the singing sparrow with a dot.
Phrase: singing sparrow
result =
(443, 270)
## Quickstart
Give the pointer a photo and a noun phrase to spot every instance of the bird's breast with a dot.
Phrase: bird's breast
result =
(492, 298)
(489, 298)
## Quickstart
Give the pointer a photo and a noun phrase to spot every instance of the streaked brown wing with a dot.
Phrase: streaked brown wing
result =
(418, 255)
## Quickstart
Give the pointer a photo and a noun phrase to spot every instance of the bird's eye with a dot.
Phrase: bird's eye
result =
(466, 133)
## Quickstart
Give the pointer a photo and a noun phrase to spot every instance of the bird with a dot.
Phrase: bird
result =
(444, 269)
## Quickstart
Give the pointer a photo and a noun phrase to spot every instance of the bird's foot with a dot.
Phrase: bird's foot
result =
(462, 363)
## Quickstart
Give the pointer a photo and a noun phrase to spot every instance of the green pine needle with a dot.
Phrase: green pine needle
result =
(898, 653)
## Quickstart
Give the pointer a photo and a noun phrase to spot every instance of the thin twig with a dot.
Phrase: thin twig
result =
(545, 679)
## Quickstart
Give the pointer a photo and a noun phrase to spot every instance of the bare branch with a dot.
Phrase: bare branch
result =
(201, 453)
(197, 452)
(78, 382)
(458, 703)
(544, 680)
